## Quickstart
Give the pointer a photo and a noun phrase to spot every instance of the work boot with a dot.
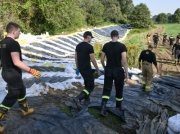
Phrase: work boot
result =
(3, 111)
(78, 99)
(119, 106)
(25, 109)
(87, 100)
(103, 109)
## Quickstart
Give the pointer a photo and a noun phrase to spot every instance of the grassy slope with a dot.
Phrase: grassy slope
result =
(171, 28)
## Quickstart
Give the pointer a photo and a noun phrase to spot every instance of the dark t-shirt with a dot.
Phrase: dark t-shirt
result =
(148, 56)
(84, 50)
(176, 47)
(164, 37)
(9, 45)
(155, 37)
(113, 52)
(171, 39)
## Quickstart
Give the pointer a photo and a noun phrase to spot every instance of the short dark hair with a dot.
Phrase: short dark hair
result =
(150, 46)
(11, 26)
(87, 33)
(114, 33)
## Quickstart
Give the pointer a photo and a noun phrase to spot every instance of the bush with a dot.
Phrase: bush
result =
(97, 50)
(132, 54)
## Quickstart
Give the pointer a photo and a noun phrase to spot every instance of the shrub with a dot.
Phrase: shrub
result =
(132, 54)
(97, 50)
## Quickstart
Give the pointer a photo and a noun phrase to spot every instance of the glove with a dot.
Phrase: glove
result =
(77, 71)
(34, 72)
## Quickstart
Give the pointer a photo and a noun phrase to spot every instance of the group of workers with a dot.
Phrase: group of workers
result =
(173, 42)
(115, 70)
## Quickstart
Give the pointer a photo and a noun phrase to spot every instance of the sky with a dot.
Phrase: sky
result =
(160, 6)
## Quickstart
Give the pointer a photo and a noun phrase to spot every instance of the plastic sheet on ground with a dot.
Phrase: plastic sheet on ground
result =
(144, 113)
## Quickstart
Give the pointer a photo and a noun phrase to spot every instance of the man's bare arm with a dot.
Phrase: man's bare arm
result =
(103, 55)
(124, 63)
(17, 62)
(92, 58)
(76, 60)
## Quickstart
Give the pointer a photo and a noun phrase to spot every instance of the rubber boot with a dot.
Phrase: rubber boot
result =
(3, 111)
(78, 99)
(25, 109)
(87, 100)
(103, 109)
(119, 106)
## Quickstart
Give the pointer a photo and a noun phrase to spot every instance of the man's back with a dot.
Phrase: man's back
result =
(113, 52)
(148, 56)
(84, 50)
(9, 45)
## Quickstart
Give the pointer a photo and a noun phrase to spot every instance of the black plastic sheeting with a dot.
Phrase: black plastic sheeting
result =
(48, 119)
(144, 113)
(54, 79)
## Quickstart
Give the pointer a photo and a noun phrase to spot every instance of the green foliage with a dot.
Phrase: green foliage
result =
(132, 54)
(97, 50)
(176, 16)
(171, 29)
(140, 17)
(94, 10)
(162, 18)
(112, 11)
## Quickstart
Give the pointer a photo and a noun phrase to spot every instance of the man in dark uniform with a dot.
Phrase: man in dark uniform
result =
(147, 57)
(178, 37)
(164, 39)
(115, 53)
(176, 51)
(12, 66)
(171, 40)
(156, 39)
(84, 55)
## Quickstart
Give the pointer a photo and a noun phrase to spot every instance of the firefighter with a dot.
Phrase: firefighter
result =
(156, 39)
(171, 40)
(12, 66)
(115, 53)
(148, 37)
(84, 55)
(176, 51)
(146, 58)
(164, 39)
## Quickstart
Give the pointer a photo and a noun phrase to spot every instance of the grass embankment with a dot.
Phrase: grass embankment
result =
(135, 43)
(171, 29)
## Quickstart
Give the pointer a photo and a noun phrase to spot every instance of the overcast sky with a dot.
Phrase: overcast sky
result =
(160, 6)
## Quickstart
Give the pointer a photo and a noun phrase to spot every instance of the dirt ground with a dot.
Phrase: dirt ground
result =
(164, 56)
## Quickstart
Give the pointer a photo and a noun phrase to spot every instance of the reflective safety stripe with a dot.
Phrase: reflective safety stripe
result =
(1, 105)
(105, 97)
(147, 87)
(119, 99)
(142, 82)
(86, 91)
(22, 99)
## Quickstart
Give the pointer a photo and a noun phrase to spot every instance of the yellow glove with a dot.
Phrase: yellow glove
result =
(34, 72)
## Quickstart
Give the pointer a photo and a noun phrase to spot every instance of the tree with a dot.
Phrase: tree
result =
(140, 17)
(112, 11)
(127, 7)
(176, 16)
(93, 10)
(162, 18)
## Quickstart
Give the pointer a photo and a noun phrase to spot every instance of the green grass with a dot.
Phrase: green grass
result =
(111, 121)
(171, 28)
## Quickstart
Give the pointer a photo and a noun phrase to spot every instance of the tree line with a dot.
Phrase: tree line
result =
(55, 16)
(167, 18)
